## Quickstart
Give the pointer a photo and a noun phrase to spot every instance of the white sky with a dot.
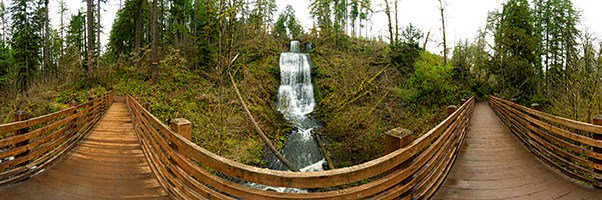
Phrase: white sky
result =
(463, 17)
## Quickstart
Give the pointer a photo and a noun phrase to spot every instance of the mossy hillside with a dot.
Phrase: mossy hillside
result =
(361, 97)
(219, 123)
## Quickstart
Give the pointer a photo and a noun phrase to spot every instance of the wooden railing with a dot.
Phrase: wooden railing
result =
(570, 146)
(37, 142)
(188, 171)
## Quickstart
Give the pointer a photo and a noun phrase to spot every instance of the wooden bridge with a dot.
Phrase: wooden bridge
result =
(114, 147)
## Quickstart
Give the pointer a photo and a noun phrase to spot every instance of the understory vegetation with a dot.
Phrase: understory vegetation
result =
(178, 56)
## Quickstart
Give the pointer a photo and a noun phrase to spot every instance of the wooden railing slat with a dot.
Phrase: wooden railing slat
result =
(556, 146)
(555, 119)
(164, 150)
(49, 142)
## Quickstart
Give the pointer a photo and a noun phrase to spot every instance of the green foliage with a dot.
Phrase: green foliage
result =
(405, 52)
(287, 24)
(432, 82)
(321, 11)
(412, 35)
(26, 40)
(280, 25)
(515, 43)
(123, 32)
(5, 64)
(403, 55)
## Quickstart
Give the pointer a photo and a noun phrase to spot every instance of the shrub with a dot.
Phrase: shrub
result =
(432, 82)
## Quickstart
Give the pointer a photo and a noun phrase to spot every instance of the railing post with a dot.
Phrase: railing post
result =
(21, 115)
(451, 109)
(74, 121)
(397, 138)
(462, 102)
(598, 121)
(182, 127)
(146, 106)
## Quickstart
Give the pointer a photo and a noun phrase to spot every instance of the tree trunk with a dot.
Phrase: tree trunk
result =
(98, 35)
(155, 34)
(138, 26)
(175, 24)
(90, 26)
(46, 41)
(426, 40)
(195, 33)
(62, 10)
(388, 12)
(396, 22)
(441, 8)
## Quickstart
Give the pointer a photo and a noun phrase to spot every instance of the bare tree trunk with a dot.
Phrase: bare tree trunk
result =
(155, 34)
(388, 12)
(90, 45)
(262, 135)
(426, 40)
(396, 22)
(441, 8)
(98, 35)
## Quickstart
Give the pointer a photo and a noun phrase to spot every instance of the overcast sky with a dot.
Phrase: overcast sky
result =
(463, 17)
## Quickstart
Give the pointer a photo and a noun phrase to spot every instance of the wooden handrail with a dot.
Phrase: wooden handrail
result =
(568, 145)
(30, 152)
(187, 170)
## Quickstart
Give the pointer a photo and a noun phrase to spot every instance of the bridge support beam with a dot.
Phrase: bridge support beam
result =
(598, 121)
(21, 115)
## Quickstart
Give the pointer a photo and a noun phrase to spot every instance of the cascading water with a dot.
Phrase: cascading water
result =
(295, 101)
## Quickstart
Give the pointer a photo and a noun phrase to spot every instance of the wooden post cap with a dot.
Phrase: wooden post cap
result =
(183, 127)
(397, 138)
(597, 120)
(462, 101)
(451, 109)
(513, 100)
(535, 106)
(20, 115)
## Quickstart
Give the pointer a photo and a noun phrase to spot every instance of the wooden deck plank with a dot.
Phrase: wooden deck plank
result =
(493, 164)
(109, 164)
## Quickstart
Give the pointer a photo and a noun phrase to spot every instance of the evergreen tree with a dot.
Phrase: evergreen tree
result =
(556, 22)
(5, 63)
(26, 40)
(123, 33)
(75, 35)
(515, 46)
(4, 21)
(287, 24)
(321, 11)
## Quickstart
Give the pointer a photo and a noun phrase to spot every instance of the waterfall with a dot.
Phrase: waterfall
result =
(295, 101)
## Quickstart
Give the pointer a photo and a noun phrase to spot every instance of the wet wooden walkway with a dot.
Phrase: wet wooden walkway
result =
(493, 164)
(108, 164)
